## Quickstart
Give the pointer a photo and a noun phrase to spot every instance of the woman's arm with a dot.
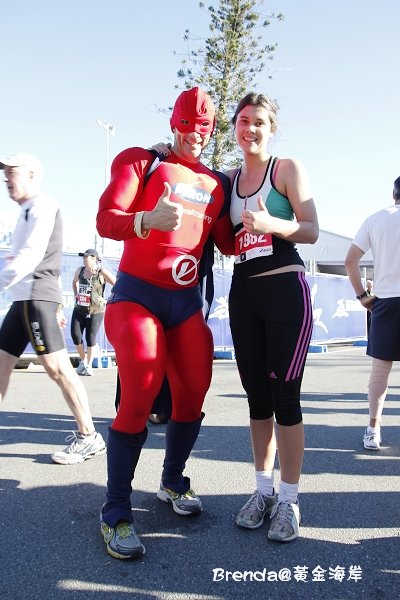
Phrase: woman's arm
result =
(291, 180)
(108, 276)
(75, 282)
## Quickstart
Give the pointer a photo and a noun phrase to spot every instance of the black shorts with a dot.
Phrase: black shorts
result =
(384, 332)
(170, 306)
(31, 321)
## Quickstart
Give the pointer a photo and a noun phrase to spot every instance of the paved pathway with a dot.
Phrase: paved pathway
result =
(50, 546)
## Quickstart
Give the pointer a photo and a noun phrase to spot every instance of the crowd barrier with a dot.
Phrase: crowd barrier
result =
(337, 315)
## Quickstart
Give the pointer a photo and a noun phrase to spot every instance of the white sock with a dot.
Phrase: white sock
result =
(288, 492)
(373, 429)
(265, 482)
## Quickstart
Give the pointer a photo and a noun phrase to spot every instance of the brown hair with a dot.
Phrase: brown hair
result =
(254, 99)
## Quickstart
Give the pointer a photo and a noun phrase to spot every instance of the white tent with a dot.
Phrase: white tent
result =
(328, 253)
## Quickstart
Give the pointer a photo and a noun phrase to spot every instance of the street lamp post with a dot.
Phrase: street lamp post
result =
(110, 130)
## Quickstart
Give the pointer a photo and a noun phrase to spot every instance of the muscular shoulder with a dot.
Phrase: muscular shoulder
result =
(134, 158)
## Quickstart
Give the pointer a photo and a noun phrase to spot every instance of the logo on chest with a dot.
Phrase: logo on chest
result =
(187, 191)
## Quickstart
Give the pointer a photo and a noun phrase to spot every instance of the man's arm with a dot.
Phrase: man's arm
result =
(352, 264)
(31, 236)
(61, 319)
(116, 216)
(223, 235)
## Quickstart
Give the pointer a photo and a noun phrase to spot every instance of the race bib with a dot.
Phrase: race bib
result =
(250, 245)
(83, 298)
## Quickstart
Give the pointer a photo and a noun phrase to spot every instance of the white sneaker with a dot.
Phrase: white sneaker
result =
(81, 448)
(88, 371)
(372, 441)
(81, 368)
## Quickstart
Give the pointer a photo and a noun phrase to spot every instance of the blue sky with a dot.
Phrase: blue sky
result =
(335, 76)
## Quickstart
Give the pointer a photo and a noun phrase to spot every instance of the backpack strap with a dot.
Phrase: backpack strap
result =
(158, 158)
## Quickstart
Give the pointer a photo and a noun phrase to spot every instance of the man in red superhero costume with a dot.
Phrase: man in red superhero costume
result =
(154, 319)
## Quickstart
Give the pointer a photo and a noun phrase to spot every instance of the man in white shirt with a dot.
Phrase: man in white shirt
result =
(381, 233)
(31, 274)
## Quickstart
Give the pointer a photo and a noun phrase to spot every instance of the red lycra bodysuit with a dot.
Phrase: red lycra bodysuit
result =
(154, 320)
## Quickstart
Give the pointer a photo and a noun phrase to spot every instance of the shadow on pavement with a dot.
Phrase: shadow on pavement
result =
(58, 544)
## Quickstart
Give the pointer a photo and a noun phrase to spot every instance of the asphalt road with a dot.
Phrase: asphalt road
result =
(50, 544)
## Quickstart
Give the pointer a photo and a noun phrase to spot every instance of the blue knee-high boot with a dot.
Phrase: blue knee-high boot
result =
(123, 451)
(179, 441)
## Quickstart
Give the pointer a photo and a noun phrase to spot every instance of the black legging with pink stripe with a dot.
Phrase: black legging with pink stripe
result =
(271, 323)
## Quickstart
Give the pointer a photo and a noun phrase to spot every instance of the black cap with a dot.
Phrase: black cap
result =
(90, 252)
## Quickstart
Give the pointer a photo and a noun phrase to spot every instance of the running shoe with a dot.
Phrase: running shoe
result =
(254, 511)
(183, 504)
(121, 540)
(81, 368)
(81, 448)
(285, 521)
(372, 441)
(88, 371)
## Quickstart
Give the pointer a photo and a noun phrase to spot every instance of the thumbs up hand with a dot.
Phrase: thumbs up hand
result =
(167, 214)
(258, 221)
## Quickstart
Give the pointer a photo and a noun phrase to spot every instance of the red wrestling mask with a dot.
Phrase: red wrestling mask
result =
(193, 111)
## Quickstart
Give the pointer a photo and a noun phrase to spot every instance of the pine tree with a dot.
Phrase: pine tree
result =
(227, 66)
